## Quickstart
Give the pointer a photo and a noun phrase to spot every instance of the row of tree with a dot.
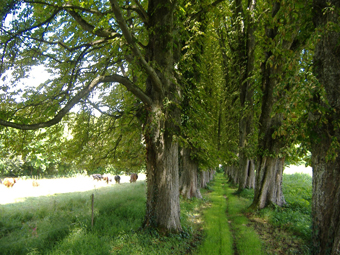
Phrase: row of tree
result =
(189, 83)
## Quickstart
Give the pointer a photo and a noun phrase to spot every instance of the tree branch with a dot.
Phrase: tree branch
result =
(57, 118)
(138, 8)
(131, 41)
(130, 87)
(90, 28)
(68, 6)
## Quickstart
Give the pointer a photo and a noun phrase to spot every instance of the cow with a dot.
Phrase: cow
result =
(133, 178)
(107, 179)
(35, 183)
(117, 179)
(97, 177)
(9, 182)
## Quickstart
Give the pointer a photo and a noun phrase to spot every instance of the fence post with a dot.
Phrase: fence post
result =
(92, 202)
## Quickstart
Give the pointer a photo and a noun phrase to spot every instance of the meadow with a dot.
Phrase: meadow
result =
(60, 223)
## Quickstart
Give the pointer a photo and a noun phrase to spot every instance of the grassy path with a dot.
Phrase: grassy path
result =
(227, 230)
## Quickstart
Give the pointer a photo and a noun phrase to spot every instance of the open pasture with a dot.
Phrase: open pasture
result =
(58, 219)
(24, 188)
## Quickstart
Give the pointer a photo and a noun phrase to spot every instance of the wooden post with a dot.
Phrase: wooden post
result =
(92, 202)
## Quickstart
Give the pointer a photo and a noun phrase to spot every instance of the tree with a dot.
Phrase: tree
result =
(283, 45)
(87, 46)
(195, 106)
(324, 125)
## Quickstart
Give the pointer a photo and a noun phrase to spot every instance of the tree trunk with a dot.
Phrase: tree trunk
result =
(251, 175)
(246, 100)
(232, 173)
(162, 121)
(204, 179)
(189, 176)
(269, 168)
(325, 132)
(246, 172)
(269, 176)
(162, 206)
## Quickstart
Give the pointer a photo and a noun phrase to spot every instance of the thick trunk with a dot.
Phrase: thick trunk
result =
(326, 133)
(269, 176)
(162, 206)
(326, 203)
(189, 176)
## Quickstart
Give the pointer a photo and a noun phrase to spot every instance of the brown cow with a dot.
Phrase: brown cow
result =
(107, 179)
(35, 183)
(9, 182)
(133, 178)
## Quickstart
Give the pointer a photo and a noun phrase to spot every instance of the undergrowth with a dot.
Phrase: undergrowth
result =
(291, 224)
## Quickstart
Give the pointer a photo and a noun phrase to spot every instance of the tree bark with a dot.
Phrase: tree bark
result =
(189, 176)
(325, 132)
(251, 175)
(232, 173)
(204, 178)
(269, 176)
(162, 206)
(246, 96)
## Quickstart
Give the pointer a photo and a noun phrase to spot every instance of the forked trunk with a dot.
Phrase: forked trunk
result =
(268, 187)
(189, 176)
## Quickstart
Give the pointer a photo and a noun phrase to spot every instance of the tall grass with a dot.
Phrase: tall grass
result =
(61, 224)
(294, 217)
(297, 214)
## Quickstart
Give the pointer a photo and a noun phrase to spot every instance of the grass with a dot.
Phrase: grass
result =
(61, 224)
(226, 228)
(217, 224)
(218, 236)
(287, 229)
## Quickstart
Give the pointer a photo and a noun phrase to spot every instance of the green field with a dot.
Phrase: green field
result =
(217, 224)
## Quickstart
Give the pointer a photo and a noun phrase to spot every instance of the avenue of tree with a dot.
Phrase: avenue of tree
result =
(180, 87)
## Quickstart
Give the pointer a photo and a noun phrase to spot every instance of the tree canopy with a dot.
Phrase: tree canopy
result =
(240, 83)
